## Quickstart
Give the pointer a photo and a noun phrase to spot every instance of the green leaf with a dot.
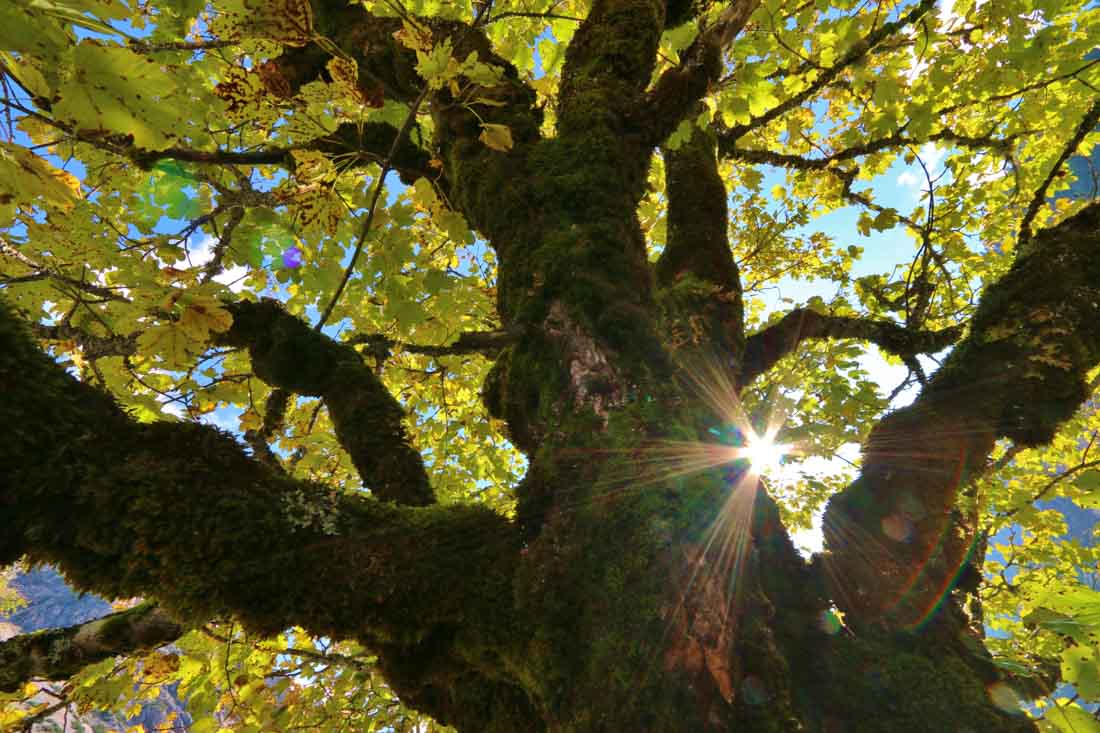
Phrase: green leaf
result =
(1088, 480)
(1081, 668)
(1071, 718)
(31, 31)
(116, 91)
(886, 219)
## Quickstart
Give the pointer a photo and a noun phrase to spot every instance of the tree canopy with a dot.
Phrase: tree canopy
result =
(407, 360)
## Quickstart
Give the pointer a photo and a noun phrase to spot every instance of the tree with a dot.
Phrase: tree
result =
(480, 286)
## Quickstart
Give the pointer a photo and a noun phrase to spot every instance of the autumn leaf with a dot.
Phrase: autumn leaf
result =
(26, 175)
(497, 137)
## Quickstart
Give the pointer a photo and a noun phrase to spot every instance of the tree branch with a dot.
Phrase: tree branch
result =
(92, 346)
(177, 512)
(697, 217)
(57, 654)
(287, 354)
(696, 245)
(1087, 125)
(679, 88)
(41, 272)
(894, 541)
(370, 142)
(764, 349)
(729, 149)
(470, 342)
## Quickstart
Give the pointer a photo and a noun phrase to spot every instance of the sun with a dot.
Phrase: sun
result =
(764, 454)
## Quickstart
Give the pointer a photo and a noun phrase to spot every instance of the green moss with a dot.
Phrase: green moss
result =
(898, 683)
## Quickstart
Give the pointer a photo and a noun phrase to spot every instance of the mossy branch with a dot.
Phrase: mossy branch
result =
(674, 95)
(764, 349)
(895, 544)
(369, 422)
(178, 512)
(57, 654)
(696, 245)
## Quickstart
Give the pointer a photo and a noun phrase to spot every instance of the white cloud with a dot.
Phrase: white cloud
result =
(202, 251)
(932, 156)
(908, 178)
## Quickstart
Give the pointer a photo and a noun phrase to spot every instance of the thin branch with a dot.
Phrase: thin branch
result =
(521, 14)
(410, 118)
(1088, 124)
(1050, 485)
(41, 271)
(897, 140)
(470, 342)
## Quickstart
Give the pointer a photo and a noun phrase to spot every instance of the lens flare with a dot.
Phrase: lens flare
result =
(764, 454)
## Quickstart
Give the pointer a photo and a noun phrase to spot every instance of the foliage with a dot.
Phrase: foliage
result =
(158, 166)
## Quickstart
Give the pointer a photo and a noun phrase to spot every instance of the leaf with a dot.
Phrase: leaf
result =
(28, 76)
(202, 315)
(30, 31)
(24, 177)
(497, 137)
(886, 219)
(1081, 668)
(118, 92)
(167, 341)
(1071, 718)
(1088, 480)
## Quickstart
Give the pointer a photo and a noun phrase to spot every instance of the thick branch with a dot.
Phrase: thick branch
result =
(894, 543)
(287, 354)
(57, 654)
(609, 62)
(679, 88)
(177, 512)
(765, 348)
(92, 346)
(858, 50)
(696, 243)
(696, 246)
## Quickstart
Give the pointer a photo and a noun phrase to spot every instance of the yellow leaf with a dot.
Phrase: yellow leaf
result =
(250, 420)
(497, 137)
(167, 341)
(202, 315)
(27, 75)
(25, 176)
